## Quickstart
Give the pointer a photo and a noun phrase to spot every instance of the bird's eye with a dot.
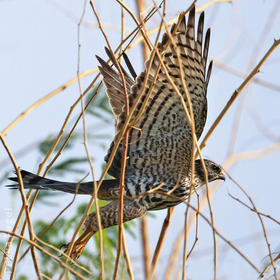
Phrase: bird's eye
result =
(215, 167)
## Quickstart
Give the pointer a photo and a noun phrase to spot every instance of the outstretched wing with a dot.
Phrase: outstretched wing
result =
(160, 142)
(114, 84)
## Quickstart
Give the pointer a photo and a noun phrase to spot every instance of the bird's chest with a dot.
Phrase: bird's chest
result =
(154, 195)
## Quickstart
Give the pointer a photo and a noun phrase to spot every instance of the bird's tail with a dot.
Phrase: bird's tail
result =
(33, 181)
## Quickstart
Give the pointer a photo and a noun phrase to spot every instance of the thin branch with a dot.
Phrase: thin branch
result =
(163, 232)
(253, 209)
(143, 220)
(25, 205)
(237, 92)
(44, 99)
(240, 74)
(209, 222)
(95, 189)
(261, 222)
(125, 144)
(32, 243)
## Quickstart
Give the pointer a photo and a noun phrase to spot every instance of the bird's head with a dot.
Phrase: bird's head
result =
(214, 170)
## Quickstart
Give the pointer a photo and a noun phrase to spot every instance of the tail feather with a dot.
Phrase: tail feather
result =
(33, 181)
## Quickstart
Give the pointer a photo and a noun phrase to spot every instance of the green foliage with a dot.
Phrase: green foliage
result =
(60, 233)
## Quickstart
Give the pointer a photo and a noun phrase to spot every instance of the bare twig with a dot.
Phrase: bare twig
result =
(95, 188)
(25, 205)
(261, 222)
(253, 209)
(143, 220)
(237, 92)
(163, 232)
(125, 144)
(32, 243)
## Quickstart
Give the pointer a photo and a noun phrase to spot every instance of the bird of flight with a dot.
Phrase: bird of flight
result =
(160, 153)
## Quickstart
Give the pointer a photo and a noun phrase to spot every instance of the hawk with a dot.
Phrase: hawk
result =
(160, 152)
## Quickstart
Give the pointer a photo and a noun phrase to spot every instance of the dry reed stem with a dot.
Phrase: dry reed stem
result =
(32, 243)
(48, 167)
(41, 166)
(252, 62)
(221, 236)
(251, 155)
(276, 43)
(174, 20)
(143, 220)
(189, 115)
(30, 109)
(235, 155)
(253, 210)
(127, 258)
(237, 92)
(240, 74)
(125, 145)
(74, 263)
(268, 266)
(213, 127)
(61, 88)
(261, 222)
(47, 228)
(101, 253)
(95, 189)
(160, 241)
(49, 153)
(25, 204)
(44, 99)
(94, 195)
(126, 254)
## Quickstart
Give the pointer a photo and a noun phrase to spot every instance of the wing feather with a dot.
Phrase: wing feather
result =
(160, 143)
(114, 85)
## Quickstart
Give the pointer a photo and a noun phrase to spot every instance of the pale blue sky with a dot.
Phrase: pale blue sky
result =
(38, 53)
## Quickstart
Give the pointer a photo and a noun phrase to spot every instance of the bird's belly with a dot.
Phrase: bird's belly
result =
(156, 196)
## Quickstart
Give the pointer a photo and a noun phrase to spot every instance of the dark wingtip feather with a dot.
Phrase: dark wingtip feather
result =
(129, 66)
(102, 62)
(208, 73)
(206, 44)
(108, 52)
(200, 28)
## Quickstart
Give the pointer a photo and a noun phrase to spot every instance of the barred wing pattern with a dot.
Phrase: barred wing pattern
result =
(114, 85)
(160, 143)
(160, 138)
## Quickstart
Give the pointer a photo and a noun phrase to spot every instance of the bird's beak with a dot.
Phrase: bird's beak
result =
(222, 176)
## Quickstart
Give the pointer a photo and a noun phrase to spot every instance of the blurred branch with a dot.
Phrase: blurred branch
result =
(163, 232)
(240, 74)
(261, 222)
(32, 243)
(143, 221)
(27, 214)
(237, 93)
(44, 99)
(125, 144)
(209, 222)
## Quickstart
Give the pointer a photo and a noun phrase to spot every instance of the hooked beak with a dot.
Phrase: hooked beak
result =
(222, 176)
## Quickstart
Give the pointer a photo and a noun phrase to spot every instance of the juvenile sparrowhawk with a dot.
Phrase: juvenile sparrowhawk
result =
(158, 170)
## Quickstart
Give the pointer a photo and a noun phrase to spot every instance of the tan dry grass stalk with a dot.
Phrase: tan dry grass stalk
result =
(129, 122)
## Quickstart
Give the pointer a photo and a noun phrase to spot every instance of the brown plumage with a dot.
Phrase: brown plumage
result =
(160, 149)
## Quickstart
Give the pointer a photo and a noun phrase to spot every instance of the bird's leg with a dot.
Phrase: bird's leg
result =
(80, 243)
(109, 216)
